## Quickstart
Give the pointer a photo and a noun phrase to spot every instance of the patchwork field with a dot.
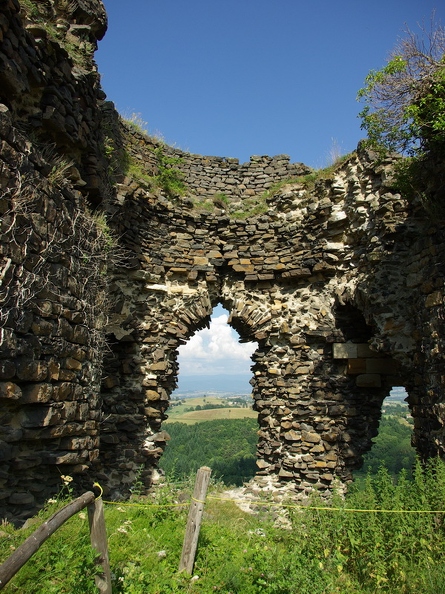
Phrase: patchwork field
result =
(181, 413)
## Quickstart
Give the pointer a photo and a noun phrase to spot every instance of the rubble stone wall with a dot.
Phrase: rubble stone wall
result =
(340, 286)
(209, 176)
(53, 249)
(339, 282)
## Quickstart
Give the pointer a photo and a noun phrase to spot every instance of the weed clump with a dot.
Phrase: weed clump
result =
(387, 535)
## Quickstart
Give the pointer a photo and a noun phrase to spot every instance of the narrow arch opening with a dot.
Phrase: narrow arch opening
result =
(211, 420)
(382, 400)
(392, 445)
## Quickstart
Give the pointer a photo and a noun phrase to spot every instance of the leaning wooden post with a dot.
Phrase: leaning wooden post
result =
(194, 519)
(32, 544)
(98, 537)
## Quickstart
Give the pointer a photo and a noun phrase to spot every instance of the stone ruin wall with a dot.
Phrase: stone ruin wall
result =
(52, 264)
(341, 286)
(208, 176)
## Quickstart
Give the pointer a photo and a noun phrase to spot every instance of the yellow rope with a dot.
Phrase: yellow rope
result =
(273, 504)
(318, 508)
(286, 505)
(101, 490)
(198, 500)
(131, 504)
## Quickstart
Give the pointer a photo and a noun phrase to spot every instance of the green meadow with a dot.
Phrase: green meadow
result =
(386, 536)
(181, 413)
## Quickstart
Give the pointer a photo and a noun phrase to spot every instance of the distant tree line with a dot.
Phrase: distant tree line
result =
(392, 447)
(205, 407)
(228, 446)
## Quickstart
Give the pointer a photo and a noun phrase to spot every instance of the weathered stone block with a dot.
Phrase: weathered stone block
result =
(383, 366)
(66, 457)
(344, 350)
(286, 424)
(152, 395)
(73, 364)
(160, 437)
(10, 391)
(82, 412)
(152, 412)
(297, 273)
(434, 299)
(363, 351)
(32, 371)
(65, 375)
(76, 443)
(53, 370)
(243, 268)
(160, 366)
(21, 499)
(110, 381)
(63, 391)
(40, 416)
(37, 393)
(42, 327)
(332, 435)
(310, 437)
(292, 435)
(69, 411)
(356, 366)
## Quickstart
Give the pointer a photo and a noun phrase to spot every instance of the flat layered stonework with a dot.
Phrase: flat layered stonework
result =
(339, 284)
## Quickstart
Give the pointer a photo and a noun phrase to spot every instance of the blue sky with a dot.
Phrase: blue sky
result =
(216, 350)
(249, 77)
(245, 77)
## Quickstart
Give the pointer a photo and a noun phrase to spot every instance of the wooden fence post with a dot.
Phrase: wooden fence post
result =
(98, 537)
(194, 519)
(32, 544)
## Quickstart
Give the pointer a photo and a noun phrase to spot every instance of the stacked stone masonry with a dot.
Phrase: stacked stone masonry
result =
(207, 177)
(340, 284)
(323, 282)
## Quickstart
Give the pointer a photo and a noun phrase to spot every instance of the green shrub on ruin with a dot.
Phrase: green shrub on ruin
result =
(404, 107)
(169, 177)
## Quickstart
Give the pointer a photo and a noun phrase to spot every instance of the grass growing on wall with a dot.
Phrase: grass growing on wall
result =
(168, 178)
(326, 550)
(42, 13)
(242, 208)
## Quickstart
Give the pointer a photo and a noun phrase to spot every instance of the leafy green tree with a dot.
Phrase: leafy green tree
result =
(405, 100)
(392, 448)
(405, 110)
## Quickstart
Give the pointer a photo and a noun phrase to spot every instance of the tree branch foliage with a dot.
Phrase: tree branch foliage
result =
(405, 100)
(404, 110)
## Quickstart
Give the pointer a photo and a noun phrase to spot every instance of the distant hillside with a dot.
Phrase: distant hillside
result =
(228, 446)
(235, 384)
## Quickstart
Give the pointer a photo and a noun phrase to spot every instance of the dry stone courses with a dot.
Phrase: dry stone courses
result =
(339, 281)
(323, 282)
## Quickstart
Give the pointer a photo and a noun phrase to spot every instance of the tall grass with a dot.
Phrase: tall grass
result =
(326, 551)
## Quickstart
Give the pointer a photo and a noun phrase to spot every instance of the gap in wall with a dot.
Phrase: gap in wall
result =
(211, 421)
(392, 445)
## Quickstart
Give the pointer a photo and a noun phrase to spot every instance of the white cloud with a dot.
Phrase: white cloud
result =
(215, 350)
